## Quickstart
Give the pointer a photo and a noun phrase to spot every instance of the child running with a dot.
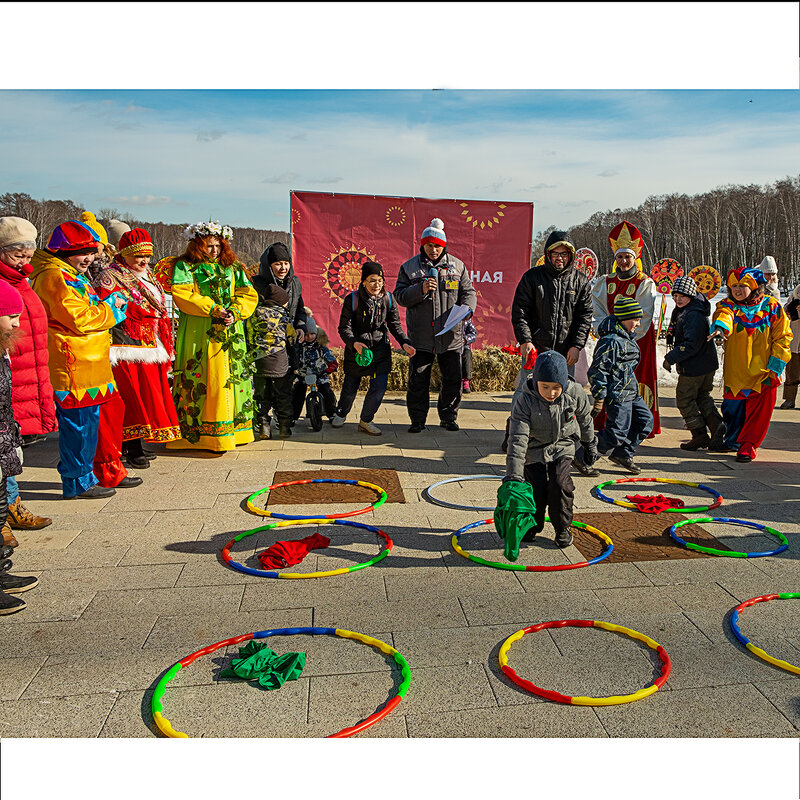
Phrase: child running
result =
(548, 418)
(614, 385)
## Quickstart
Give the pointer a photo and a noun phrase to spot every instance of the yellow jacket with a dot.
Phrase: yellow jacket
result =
(191, 290)
(757, 347)
(78, 335)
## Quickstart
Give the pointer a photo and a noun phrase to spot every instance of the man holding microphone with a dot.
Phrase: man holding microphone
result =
(429, 285)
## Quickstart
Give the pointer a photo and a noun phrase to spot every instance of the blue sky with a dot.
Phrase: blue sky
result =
(567, 121)
(178, 156)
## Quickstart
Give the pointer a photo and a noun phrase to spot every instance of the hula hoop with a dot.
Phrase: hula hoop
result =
(264, 573)
(163, 724)
(730, 553)
(522, 567)
(625, 504)
(458, 506)
(613, 700)
(262, 512)
(757, 651)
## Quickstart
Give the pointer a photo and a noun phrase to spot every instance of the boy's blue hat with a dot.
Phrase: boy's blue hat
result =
(551, 367)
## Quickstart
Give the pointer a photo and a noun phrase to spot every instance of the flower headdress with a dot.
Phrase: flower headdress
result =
(207, 229)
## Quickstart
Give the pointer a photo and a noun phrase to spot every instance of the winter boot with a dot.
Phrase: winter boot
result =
(284, 430)
(8, 537)
(699, 440)
(465, 387)
(787, 404)
(717, 429)
(564, 538)
(264, 431)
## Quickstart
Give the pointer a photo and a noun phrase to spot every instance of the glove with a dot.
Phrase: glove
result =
(590, 454)
(667, 366)
(597, 407)
(331, 368)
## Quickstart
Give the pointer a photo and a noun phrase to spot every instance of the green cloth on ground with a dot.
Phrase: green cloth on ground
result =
(260, 663)
(514, 515)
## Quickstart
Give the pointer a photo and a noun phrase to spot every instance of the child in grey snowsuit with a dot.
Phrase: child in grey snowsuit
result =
(548, 419)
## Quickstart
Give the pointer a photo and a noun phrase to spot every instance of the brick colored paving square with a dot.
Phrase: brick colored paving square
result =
(332, 492)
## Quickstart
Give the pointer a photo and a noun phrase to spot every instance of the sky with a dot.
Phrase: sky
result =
(185, 154)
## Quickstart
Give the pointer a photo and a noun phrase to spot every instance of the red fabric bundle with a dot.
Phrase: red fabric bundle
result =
(653, 503)
(286, 554)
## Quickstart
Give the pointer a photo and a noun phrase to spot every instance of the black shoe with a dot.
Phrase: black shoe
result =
(128, 482)
(9, 604)
(626, 464)
(139, 462)
(417, 427)
(530, 535)
(16, 584)
(96, 491)
(563, 538)
(449, 425)
(285, 431)
(149, 455)
(587, 472)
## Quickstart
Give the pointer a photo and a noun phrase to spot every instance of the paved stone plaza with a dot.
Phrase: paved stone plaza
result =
(130, 585)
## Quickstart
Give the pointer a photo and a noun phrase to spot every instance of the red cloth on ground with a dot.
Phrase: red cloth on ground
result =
(653, 503)
(107, 457)
(149, 408)
(285, 554)
(32, 393)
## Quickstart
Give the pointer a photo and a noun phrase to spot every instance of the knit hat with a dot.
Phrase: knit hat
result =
(115, 229)
(626, 308)
(10, 300)
(276, 294)
(434, 233)
(278, 252)
(684, 285)
(370, 268)
(768, 266)
(136, 243)
(89, 219)
(746, 276)
(73, 238)
(626, 238)
(15, 230)
(551, 367)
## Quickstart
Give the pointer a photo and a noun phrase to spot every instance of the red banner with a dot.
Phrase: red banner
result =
(334, 234)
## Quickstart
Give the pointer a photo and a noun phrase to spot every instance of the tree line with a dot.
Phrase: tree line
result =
(727, 227)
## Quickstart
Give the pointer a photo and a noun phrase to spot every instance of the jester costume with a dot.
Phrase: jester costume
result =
(211, 383)
(636, 285)
(756, 353)
(141, 348)
(78, 343)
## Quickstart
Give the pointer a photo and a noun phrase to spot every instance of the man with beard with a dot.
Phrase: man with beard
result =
(552, 309)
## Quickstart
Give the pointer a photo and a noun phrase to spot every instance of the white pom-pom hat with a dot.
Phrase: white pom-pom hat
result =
(434, 233)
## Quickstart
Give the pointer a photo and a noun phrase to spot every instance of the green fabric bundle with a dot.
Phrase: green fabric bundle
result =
(514, 515)
(260, 663)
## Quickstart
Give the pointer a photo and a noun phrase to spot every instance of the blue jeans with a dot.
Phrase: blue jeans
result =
(627, 426)
(12, 487)
(77, 443)
(733, 415)
(372, 402)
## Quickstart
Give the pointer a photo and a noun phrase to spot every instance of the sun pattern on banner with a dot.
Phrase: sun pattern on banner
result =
(395, 216)
(485, 317)
(296, 216)
(342, 273)
(482, 221)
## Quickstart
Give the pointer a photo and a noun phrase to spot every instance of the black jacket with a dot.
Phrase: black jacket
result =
(552, 309)
(297, 309)
(370, 324)
(693, 354)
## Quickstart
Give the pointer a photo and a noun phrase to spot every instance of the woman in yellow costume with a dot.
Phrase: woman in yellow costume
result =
(211, 377)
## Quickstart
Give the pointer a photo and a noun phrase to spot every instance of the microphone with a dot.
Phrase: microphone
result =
(432, 273)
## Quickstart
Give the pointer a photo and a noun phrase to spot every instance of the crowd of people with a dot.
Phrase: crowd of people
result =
(89, 349)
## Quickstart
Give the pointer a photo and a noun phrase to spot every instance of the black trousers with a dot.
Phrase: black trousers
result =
(275, 394)
(553, 490)
(466, 363)
(419, 385)
(299, 396)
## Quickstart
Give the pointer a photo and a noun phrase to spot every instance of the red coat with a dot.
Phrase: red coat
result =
(32, 396)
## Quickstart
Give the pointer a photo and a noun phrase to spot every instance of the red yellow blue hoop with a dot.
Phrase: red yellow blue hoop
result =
(625, 504)
(757, 651)
(262, 512)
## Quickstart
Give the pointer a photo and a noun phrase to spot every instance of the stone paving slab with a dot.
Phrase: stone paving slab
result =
(46, 539)
(17, 675)
(63, 717)
(267, 594)
(51, 604)
(26, 560)
(533, 607)
(410, 615)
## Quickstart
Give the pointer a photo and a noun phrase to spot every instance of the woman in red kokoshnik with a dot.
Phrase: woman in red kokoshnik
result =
(630, 281)
(141, 349)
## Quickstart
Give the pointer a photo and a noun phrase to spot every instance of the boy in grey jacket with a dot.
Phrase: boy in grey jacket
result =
(548, 418)
(429, 285)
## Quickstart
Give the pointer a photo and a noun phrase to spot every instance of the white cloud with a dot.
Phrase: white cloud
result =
(607, 173)
(284, 177)
(140, 200)
(209, 136)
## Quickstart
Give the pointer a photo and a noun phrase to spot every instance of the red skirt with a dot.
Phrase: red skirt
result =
(149, 409)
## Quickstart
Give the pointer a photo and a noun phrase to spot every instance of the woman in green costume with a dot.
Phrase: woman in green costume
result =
(211, 377)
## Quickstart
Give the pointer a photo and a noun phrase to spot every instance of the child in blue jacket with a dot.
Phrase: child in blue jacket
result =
(613, 384)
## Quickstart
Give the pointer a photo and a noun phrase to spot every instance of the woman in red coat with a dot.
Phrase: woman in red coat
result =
(32, 396)
(141, 349)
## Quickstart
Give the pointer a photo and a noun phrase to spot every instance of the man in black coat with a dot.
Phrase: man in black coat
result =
(552, 308)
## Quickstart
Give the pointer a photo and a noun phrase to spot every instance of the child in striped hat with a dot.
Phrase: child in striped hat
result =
(614, 385)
